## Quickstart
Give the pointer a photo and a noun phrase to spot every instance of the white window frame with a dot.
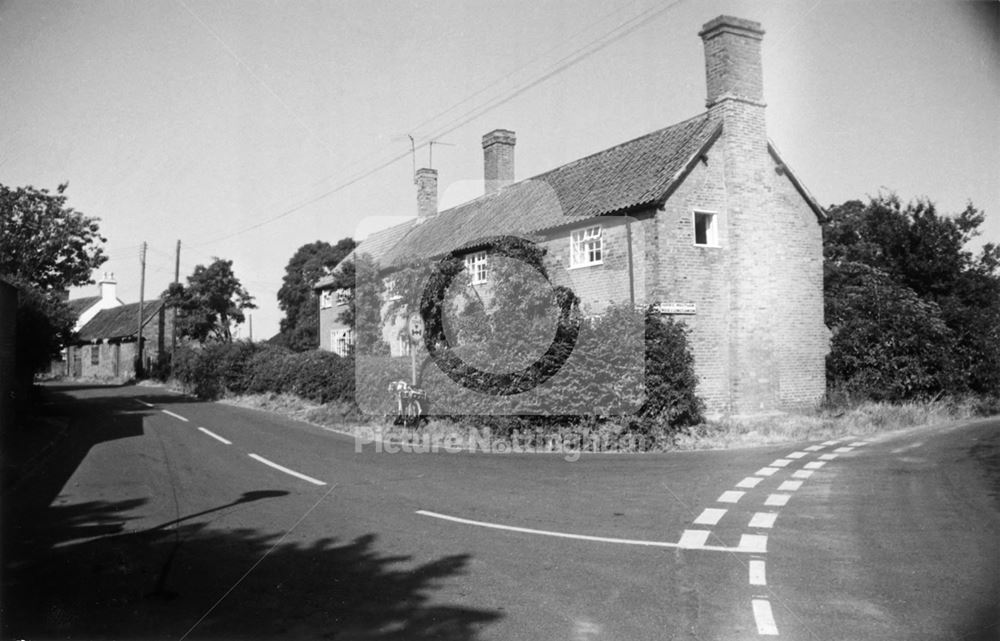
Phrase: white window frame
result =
(326, 299)
(711, 233)
(341, 341)
(478, 267)
(586, 247)
(342, 297)
(390, 289)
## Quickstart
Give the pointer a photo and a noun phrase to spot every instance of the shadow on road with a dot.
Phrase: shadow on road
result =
(78, 571)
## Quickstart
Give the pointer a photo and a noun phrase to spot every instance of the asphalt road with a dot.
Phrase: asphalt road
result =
(160, 517)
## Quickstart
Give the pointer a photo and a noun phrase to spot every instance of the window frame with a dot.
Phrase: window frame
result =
(325, 298)
(95, 354)
(477, 266)
(581, 245)
(711, 233)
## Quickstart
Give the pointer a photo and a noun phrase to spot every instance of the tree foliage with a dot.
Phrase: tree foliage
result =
(43, 242)
(296, 298)
(360, 281)
(913, 313)
(46, 247)
(211, 303)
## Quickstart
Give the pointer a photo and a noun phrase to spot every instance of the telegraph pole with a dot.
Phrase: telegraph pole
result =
(173, 325)
(142, 296)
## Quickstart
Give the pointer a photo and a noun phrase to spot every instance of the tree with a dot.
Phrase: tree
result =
(44, 243)
(212, 301)
(913, 313)
(300, 326)
(46, 247)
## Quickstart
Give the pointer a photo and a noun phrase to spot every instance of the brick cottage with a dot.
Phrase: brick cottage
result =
(702, 219)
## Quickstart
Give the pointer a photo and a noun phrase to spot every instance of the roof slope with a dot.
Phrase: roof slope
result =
(80, 305)
(118, 322)
(641, 172)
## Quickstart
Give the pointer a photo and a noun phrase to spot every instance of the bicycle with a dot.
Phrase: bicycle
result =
(409, 410)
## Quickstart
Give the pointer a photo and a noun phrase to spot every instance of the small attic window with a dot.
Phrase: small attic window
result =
(706, 229)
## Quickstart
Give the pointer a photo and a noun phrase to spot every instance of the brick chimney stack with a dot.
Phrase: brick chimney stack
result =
(498, 159)
(427, 193)
(733, 67)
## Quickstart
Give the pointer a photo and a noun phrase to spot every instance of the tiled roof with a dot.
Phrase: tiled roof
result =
(376, 244)
(80, 305)
(637, 173)
(118, 322)
(641, 172)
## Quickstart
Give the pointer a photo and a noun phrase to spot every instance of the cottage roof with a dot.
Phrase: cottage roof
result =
(80, 305)
(118, 322)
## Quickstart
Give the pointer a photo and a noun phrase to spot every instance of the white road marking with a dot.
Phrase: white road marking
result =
(766, 471)
(830, 442)
(177, 416)
(790, 486)
(710, 516)
(144, 403)
(781, 462)
(750, 481)
(730, 496)
(796, 455)
(215, 436)
(843, 450)
(692, 536)
(802, 474)
(858, 443)
(763, 616)
(763, 519)
(814, 465)
(777, 500)
(813, 448)
(286, 470)
(753, 543)
(828, 457)
(758, 574)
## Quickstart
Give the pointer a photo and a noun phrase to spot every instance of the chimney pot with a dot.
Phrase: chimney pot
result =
(498, 159)
(427, 196)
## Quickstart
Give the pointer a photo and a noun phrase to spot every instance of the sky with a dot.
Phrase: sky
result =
(246, 129)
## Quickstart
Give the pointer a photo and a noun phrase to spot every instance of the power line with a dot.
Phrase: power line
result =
(578, 55)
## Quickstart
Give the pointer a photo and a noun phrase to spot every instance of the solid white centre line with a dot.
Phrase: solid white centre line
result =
(796, 455)
(777, 500)
(828, 457)
(286, 470)
(144, 403)
(177, 416)
(689, 539)
(763, 616)
(750, 481)
(790, 486)
(802, 474)
(730, 496)
(757, 572)
(766, 471)
(215, 436)
(815, 465)
(781, 462)
(813, 448)
(763, 519)
(710, 516)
